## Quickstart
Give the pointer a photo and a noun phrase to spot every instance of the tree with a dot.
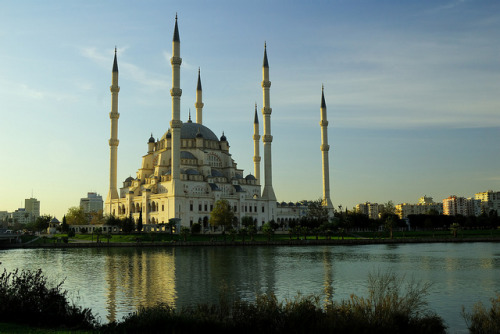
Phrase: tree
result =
(268, 230)
(317, 214)
(98, 233)
(222, 214)
(64, 225)
(185, 231)
(172, 222)
(243, 232)
(128, 224)
(454, 229)
(42, 222)
(76, 216)
(139, 222)
(96, 217)
(389, 224)
(247, 221)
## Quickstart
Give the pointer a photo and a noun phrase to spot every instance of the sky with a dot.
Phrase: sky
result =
(411, 87)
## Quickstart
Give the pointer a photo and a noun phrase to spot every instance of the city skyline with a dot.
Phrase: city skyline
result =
(411, 92)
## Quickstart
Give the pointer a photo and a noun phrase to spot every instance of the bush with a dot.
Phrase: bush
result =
(27, 298)
(482, 320)
(391, 307)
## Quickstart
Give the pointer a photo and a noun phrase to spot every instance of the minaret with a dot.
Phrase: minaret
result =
(326, 201)
(256, 149)
(199, 101)
(113, 141)
(267, 139)
(176, 92)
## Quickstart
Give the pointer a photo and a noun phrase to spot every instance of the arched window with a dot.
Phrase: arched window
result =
(214, 161)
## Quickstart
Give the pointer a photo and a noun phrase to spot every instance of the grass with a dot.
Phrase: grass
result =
(167, 237)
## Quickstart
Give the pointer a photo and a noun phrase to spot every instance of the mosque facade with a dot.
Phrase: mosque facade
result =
(186, 171)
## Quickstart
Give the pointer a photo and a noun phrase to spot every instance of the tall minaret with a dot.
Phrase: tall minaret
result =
(326, 201)
(256, 149)
(267, 139)
(113, 141)
(199, 101)
(176, 92)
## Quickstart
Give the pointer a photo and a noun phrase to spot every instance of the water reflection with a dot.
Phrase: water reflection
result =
(116, 281)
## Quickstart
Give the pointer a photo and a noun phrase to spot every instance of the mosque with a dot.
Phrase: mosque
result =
(186, 171)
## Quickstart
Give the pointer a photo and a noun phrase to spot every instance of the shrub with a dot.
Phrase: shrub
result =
(482, 320)
(27, 298)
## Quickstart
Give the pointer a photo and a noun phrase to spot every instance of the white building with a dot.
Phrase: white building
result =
(490, 200)
(92, 203)
(32, 206)
(424, 205)
(189, 168)
(20, 216)
(454, 205)
(372, 210)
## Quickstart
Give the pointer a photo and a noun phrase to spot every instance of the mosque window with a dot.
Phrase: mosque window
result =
(214, 161)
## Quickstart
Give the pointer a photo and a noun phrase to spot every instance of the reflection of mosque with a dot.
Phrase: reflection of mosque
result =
(189, 168)
(183, 276)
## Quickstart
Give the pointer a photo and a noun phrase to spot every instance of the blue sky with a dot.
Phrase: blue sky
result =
(412, 89)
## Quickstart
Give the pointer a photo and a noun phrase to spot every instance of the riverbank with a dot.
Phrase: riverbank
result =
(221, 243)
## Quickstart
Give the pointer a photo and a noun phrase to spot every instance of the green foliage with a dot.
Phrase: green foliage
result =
(64, 225)
(317, 215)
(128, 224)
(268, 230)
(196, 228)
(139, 222)
(391, 307)
(42, 222)
(185, 232)
(482, 320)
(222, 214)
(247, 221)
(76, 216)
(98, 233)
(27, 298)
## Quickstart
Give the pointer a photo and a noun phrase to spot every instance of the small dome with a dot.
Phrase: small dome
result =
(199, 134)
(216, 173)
(129, 179)
(250, 177)
(151, 139)
(187, 155)
(192, 172)
(169, 135)
(283, 203)
(223, 138)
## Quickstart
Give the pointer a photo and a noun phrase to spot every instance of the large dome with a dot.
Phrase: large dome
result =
(189, 130)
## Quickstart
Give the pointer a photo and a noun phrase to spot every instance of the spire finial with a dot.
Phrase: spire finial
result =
(115, 63)
(323, 103)
(176, 31)
(265, 63)
(199, 80)
(189, 120)
(256, 118)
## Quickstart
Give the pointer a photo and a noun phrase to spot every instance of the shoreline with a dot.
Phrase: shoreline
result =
(308, 242)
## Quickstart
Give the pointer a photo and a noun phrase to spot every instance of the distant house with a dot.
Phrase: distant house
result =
(53, 225)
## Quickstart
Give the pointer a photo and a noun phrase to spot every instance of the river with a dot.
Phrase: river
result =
(115, 281)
